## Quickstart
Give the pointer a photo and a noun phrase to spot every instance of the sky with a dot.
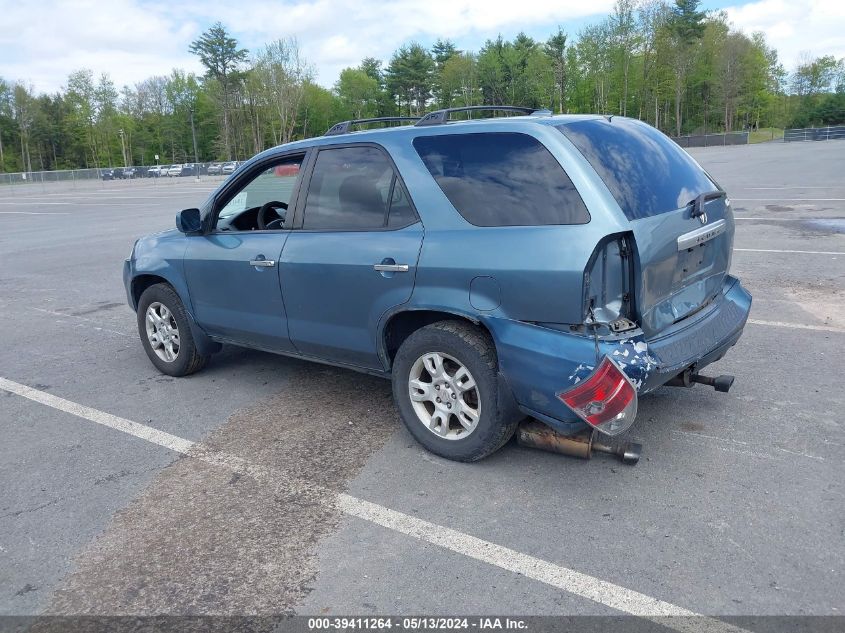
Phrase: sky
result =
(43, 41)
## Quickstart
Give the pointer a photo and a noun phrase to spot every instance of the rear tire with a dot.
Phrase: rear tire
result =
(454, 364)
(166, 332)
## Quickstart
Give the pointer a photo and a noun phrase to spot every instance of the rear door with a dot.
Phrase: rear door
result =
(353, 257)
(682, 258)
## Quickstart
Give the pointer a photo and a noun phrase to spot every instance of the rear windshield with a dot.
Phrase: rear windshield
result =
(645, 170)
(502, 179)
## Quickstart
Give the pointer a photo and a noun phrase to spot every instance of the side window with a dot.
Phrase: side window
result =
(350, 188)
(273, 185)
(502, 179)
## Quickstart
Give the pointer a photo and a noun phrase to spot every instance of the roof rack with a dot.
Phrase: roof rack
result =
(439, 117)
(343, 126)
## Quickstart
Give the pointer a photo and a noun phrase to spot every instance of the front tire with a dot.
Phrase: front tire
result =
(166, 333)
(445, 386)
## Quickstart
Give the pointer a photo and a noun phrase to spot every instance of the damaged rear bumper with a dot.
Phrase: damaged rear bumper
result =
(539, 362)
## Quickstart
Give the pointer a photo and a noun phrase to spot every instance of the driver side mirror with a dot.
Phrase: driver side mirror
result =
(189, 221)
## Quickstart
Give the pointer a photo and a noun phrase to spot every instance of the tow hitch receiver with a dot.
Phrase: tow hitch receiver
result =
(535, 434)
(687, 378)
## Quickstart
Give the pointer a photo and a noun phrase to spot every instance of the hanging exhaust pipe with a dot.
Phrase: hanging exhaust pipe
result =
(535, 434)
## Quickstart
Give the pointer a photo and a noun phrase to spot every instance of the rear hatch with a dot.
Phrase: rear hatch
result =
(681, 220)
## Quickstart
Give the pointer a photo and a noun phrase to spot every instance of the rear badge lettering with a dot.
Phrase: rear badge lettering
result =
(702, 235)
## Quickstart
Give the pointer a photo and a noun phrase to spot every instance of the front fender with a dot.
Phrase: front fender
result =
(160, 257)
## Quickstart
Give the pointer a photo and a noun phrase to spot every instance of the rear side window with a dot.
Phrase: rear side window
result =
(502, 179)
(645, 170)
(355, 188)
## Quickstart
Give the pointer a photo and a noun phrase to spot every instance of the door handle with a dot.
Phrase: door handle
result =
(262, 263)
(391, 268)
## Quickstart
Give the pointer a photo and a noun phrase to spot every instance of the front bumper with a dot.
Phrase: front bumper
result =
(539, 362)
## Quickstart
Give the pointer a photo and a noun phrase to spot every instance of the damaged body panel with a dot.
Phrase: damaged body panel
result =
(539, 360)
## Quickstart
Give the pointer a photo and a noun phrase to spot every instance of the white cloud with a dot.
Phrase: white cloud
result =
(793, 28)
(43, 42)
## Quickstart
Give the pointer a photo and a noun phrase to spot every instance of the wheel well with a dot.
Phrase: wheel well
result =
(402, 325)
(141, 283)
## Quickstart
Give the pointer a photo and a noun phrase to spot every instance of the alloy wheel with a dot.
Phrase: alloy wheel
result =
(162, 331)
(444, 395)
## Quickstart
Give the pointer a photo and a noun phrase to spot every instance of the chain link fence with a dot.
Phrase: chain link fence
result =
(814, 133)
(709, 140)
(109, 176)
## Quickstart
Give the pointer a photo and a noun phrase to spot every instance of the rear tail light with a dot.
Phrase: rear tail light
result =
(606, 399)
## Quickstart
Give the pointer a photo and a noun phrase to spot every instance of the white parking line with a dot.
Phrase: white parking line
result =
(80, 203)
(787, 219)
(81, 318)
(600, 591)
(34, 213)
(772, 250)
(16, 203)
(51, 199)
(729, 445)
(141, 431)
(793, 187)
(799, 326)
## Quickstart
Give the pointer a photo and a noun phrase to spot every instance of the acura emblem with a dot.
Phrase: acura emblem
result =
(703, 218)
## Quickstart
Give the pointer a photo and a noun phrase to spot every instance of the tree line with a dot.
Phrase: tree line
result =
(680, 69)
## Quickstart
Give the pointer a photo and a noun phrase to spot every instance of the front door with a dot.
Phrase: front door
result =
(354, 257)
(233, 270)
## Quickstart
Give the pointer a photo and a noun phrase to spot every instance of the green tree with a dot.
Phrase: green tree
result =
(24, 115)
(409, 77)
(625, 40)
(555, 49)
(358, 92)
(282, 73)
(6, 118)
(459, 81)
(220, 54)
(686, 25)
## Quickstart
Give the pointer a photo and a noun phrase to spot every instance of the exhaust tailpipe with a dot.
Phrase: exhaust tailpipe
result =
(535, 434)
(688, 378)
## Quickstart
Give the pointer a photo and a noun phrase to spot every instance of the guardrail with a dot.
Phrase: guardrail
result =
(814, 133)
(709, 140)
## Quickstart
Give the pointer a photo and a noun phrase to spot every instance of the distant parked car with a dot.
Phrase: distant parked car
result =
(113, 173)
(568, 265)
(174, 170)
(215, 169)
(129, 172)
(155, 172)
(189, 169)
(229, 167)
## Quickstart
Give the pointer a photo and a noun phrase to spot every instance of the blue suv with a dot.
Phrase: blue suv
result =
(556, 267)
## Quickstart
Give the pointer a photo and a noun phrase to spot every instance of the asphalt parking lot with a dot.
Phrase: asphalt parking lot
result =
(279, 486)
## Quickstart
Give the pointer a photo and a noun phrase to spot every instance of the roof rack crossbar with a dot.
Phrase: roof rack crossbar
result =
(343, 126)
(439, 117)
